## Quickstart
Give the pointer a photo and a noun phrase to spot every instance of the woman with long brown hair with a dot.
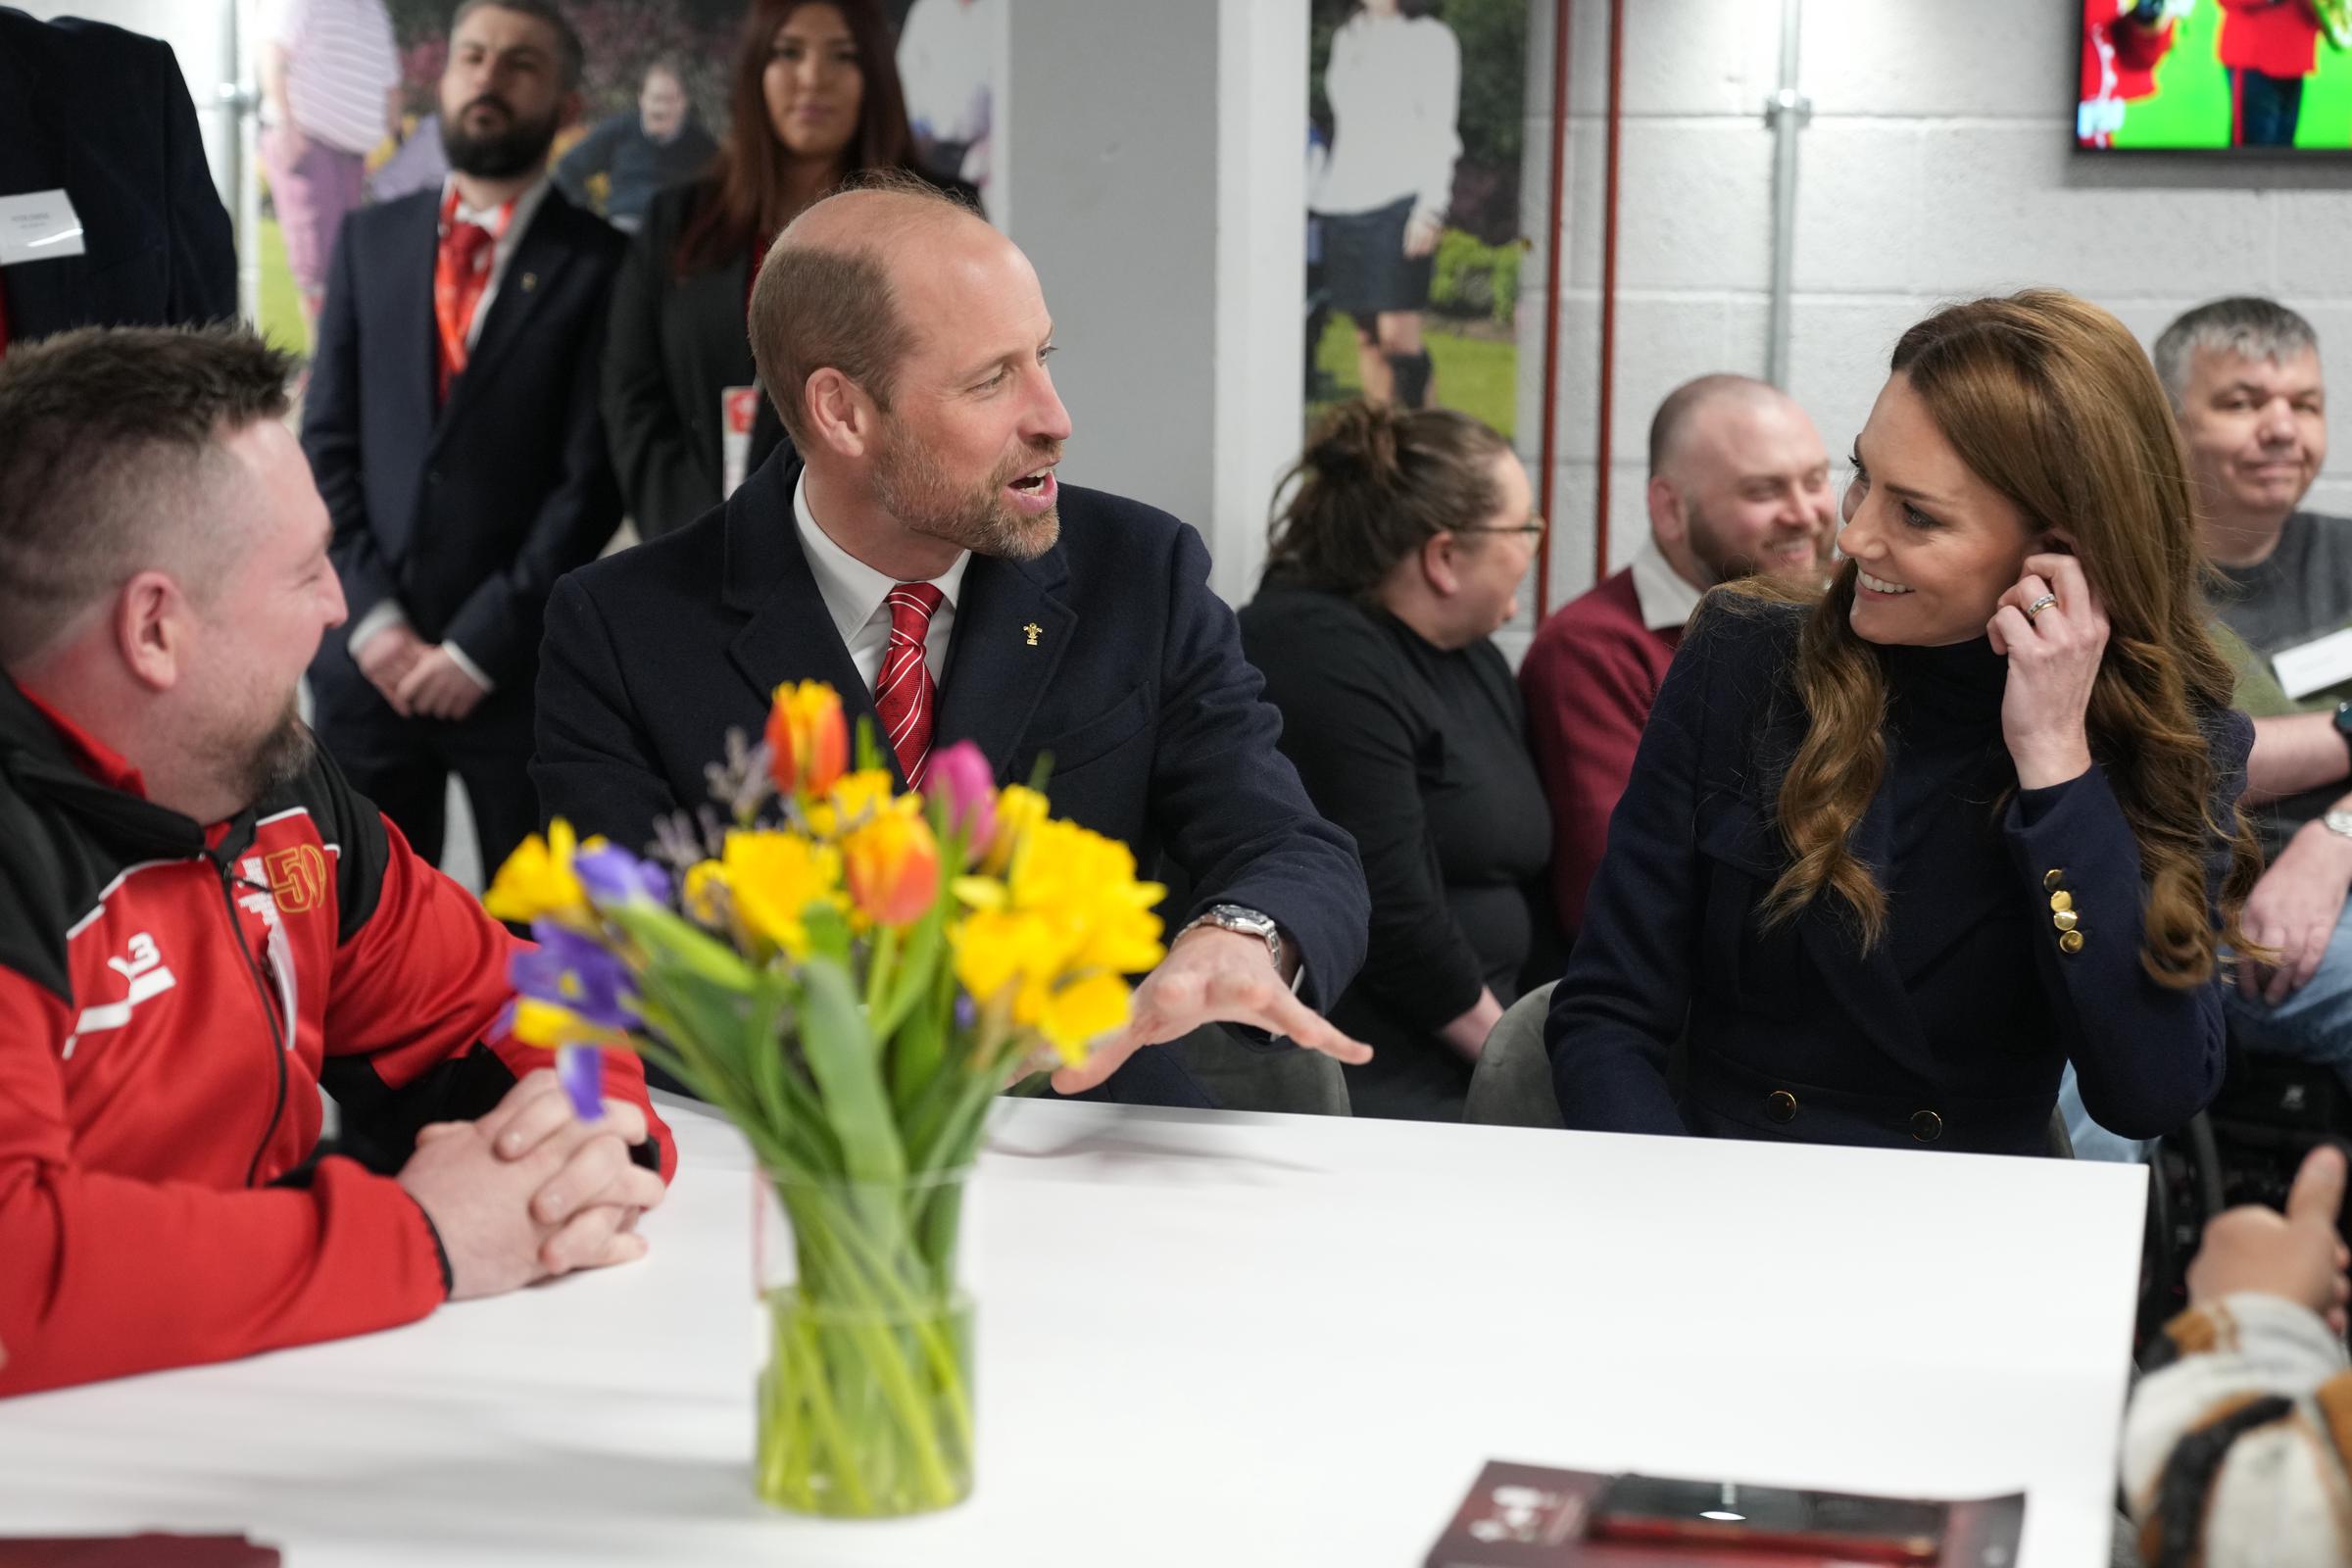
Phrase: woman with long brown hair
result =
(813, 98)
(1889, 860)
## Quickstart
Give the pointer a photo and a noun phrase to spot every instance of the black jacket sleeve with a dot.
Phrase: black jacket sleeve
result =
(204, 247)
(1236, 816)
(330, 435)
(661, 478)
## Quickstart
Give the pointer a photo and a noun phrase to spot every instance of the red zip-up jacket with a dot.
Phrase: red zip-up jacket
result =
(173, 996)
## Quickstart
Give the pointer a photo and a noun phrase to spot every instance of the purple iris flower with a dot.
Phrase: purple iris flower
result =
(612, 875)
(581, 1069)
(961, 779)
(572, 971)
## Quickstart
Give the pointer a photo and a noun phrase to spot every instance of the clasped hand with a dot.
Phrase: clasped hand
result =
(530, 1190)
(2054, 659)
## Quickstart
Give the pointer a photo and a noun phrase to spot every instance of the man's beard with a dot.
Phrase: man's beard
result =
(1726, 564)
(515, 150)
(915, 489)
(253, 768)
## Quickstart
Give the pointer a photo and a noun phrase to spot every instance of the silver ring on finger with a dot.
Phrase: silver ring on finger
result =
(2040, 605)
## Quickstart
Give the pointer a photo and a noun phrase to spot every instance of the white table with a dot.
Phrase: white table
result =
(1205, 1338)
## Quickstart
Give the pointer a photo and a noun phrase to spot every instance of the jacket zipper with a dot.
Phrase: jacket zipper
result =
(229, 883)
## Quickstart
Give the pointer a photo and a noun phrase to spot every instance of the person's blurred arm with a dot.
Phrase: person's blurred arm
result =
(1588, 693)
(2233, 1454)
(2294, 752)
(662, 482)
(204, 244)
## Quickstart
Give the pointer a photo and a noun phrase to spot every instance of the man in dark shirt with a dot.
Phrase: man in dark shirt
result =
(637, 154)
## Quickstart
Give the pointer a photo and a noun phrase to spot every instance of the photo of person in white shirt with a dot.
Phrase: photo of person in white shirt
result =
(1394, 83)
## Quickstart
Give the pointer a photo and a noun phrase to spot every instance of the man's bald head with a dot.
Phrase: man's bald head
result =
(830, 293)
(1670, 428)
(1739, 483)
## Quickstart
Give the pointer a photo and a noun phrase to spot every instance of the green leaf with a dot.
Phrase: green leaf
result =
(672, 940)
(848, 1070)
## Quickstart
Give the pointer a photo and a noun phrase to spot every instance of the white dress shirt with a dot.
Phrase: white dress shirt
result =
(857, 597)
(389, 612)
(1665, 596)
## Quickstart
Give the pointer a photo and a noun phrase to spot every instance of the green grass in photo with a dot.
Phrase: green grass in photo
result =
(1477, 376)
(281, 321)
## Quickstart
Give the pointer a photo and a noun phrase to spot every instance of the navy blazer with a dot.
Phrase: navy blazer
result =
(103, 114)
(1790, 1031)
(1134, 683)
(465, 513)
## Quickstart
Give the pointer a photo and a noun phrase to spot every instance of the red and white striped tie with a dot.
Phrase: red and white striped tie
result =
(904, 693)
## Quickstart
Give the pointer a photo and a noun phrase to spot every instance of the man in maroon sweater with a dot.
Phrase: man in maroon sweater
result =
(1739, 483)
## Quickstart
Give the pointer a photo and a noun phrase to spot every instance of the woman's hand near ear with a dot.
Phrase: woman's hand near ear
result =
(2053, 656)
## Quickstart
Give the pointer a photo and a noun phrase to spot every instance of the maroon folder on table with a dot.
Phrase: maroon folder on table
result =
(153, 1550)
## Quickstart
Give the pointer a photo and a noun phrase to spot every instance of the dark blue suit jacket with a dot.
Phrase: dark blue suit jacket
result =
(1136, 686)
(1790, 1031)
(103, 115)
(467, 514)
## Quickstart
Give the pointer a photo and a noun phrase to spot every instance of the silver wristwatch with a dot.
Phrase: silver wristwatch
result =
(2337, 821)
(1248, 922)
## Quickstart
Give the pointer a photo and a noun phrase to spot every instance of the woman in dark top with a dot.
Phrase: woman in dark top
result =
(1889, 860)
(815, 98)
(1395, 560)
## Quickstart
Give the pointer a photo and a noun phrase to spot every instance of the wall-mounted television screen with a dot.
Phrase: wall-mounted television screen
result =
(2245, 75)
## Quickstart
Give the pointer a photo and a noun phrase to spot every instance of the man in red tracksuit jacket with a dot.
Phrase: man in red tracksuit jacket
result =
(2268, 47)
(202, 925)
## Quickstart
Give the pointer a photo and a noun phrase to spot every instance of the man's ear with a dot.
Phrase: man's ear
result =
(840, 414)
(153, 623)
(1666, 510)
(569, 112)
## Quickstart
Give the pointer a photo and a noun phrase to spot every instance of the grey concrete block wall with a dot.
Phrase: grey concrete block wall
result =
(1937, 165)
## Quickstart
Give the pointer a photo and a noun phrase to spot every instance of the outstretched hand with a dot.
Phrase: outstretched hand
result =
(1210, 976)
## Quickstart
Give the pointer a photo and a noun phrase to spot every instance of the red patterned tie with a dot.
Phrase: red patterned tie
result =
(460, 276)
(904, 695)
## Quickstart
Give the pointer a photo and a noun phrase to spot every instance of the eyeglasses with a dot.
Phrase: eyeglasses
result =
(1535, 527)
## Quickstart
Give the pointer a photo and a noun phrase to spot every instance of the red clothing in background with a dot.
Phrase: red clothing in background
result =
(1589, 677)
(2277, 37)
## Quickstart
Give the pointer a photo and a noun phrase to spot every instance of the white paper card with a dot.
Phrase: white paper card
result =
(39, 225)
(2315, 665)
(738, 410)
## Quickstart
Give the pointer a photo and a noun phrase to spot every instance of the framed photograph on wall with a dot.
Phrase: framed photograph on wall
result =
(1416, 120)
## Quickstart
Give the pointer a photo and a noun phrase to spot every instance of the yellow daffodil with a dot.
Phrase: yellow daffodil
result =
(1054, 940)
(775, 878)
(538, 881)
(706, 884)
(546, 1025)
(1018, 810)
(1082, 1012)
(854, 799)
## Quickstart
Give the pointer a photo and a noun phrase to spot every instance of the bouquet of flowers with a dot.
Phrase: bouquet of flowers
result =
(849, 974)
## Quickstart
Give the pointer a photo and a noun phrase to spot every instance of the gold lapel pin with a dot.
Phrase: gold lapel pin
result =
(530, 281)
(1034, 631)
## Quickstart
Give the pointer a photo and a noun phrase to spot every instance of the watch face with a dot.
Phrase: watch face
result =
(2338, 823)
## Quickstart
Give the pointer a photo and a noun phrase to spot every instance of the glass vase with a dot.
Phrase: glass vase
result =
(865, 1403)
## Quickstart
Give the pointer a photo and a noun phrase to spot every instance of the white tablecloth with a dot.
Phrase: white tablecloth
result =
(1205, 1339)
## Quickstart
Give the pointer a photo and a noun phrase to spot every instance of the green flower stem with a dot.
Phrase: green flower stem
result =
(864, 1321)
(803, 1372)
(855, 1249)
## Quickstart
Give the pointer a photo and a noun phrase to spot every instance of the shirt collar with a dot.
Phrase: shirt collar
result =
(852, 591)
(1666, 597)
(92, 756)
(520, 211)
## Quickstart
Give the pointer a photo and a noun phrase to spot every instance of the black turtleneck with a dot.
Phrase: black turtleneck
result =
(1948, 772)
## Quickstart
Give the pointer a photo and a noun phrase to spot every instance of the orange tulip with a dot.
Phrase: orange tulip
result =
(808, 739)
(892, 866)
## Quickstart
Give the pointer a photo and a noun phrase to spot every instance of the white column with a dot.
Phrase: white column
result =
(1151, 160)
